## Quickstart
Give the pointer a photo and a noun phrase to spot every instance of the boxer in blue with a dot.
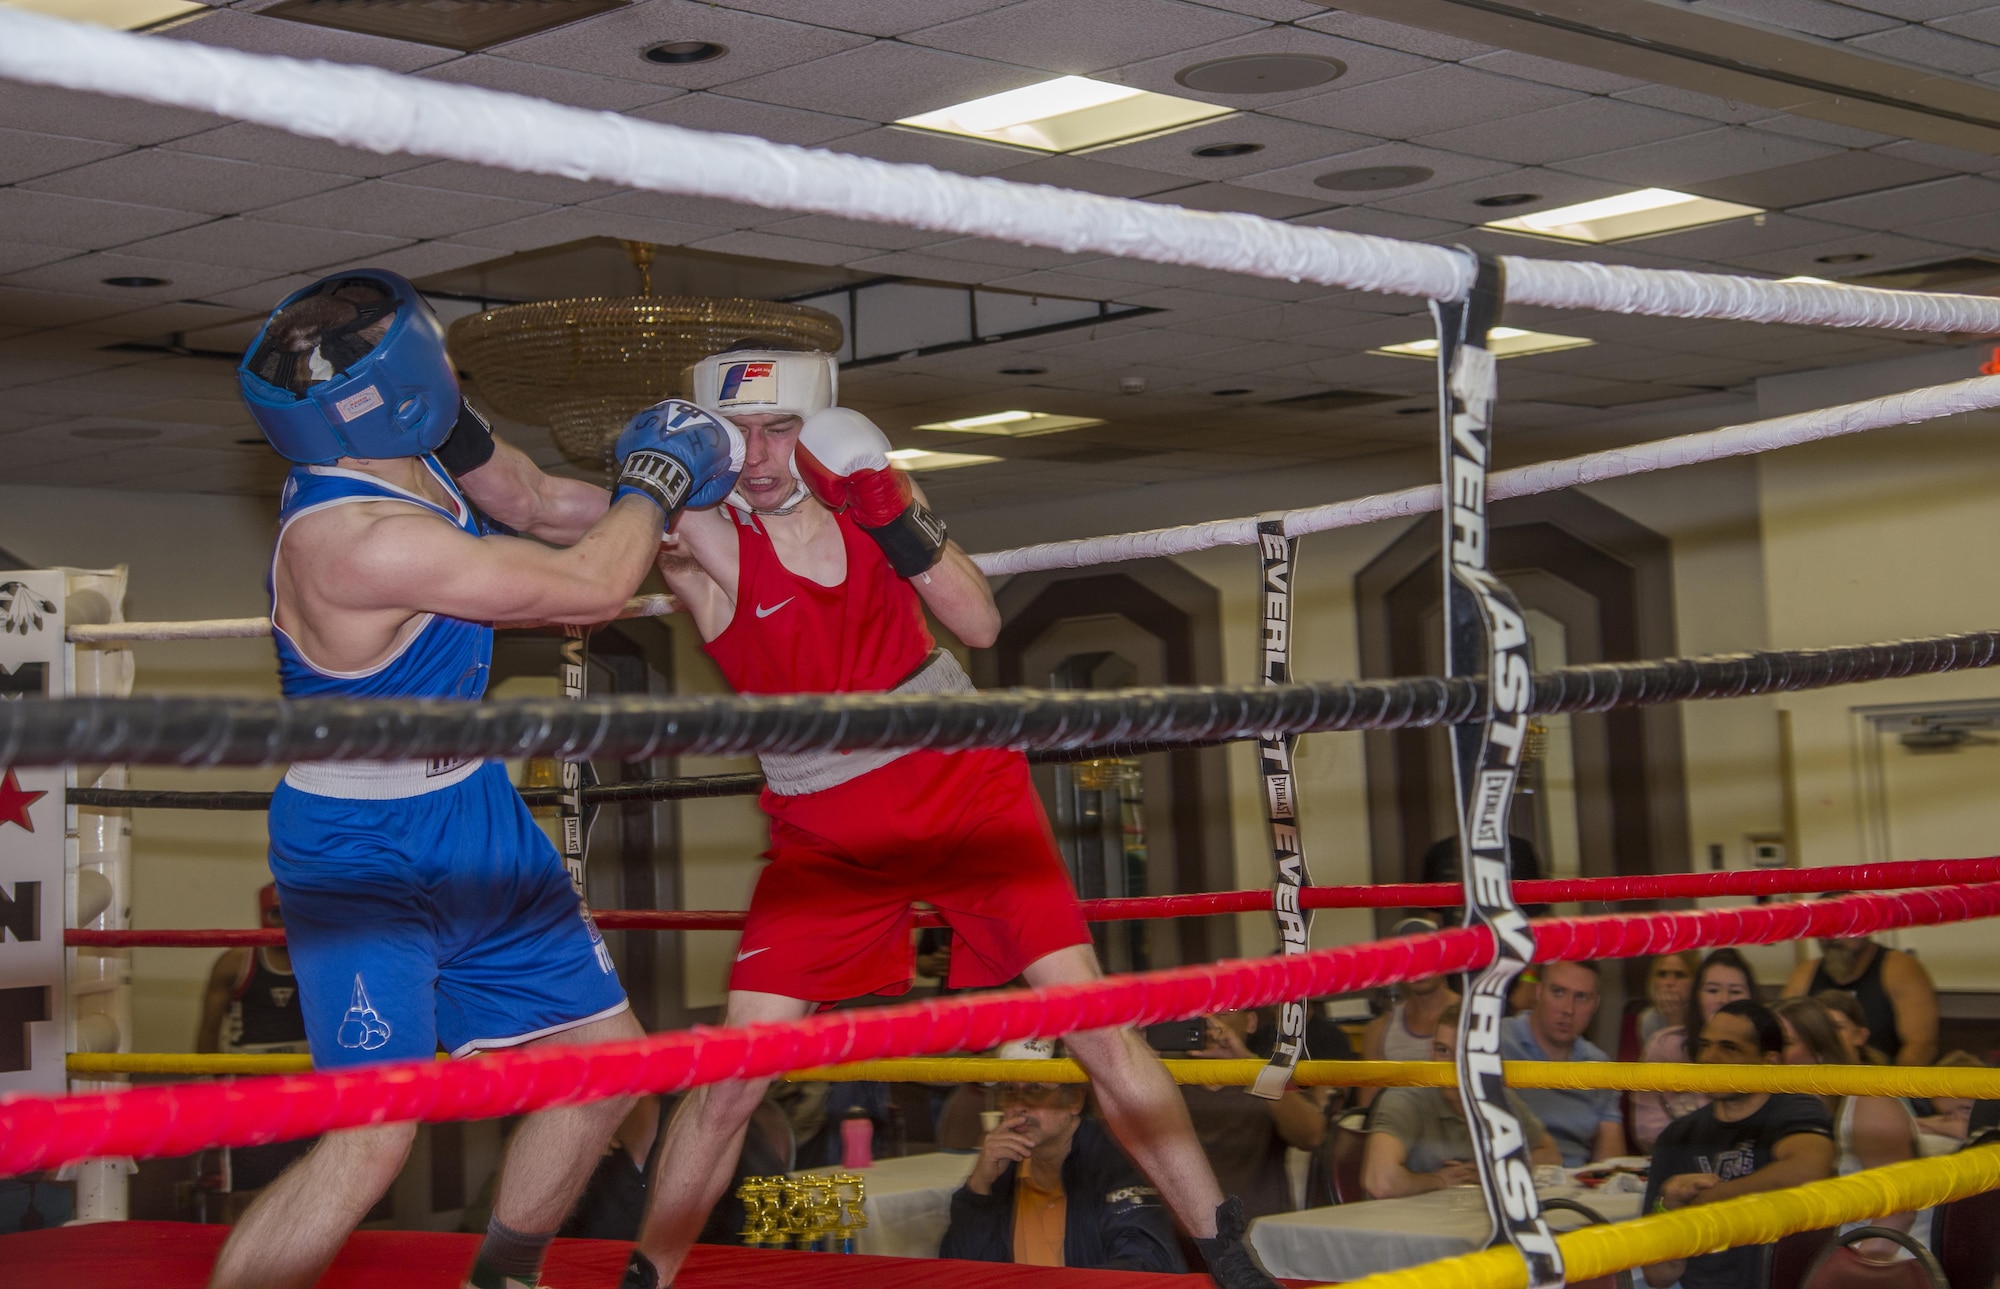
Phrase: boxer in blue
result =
(423, 905)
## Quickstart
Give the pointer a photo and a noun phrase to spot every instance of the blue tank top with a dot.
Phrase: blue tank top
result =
(442, 658)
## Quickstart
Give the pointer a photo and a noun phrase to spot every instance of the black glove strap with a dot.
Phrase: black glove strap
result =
(468, 446)
(658, 477)
(913, 541)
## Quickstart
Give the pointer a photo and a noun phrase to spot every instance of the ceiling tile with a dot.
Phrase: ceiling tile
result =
(85, 274)
(1363, 63)
(1548, 71)
(1802, 127)
(1980, 24)
(1708, 106)
(1979, 232)
(21, 307)
(420, 260)
(1383, 221)
(185, 181)
(1885, 250)
(854, 232)
(1275, 10)
(920, 264)
(706, 211)
(234, 29)
(1239, 200)
(1438, 98)
(1281, 143)
(463, 176)
(614, 42)
(755, 244)
(726, 115)
(870, 17)
(1672, 163)
(24, 154)
(16, 256)
(48, 219)
(1097, 172)
(1841, 175)
(942, 151)
(603, 90)
(1574, 129)
(573, 223)
(1918, 10)
(1814, 17)
(261, 244)
(981, 250)
(885, 81)
(1901, 208)
(1446, 168)
(1944, 158)
(263, 295)
(244, 142)
(1928, 47)
(392, 209)
(75, 114)
(1070, 39)
(176, 317)
(1415, 40)
(1457, 202)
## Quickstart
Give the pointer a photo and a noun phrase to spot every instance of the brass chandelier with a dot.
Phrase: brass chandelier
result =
(585, 367)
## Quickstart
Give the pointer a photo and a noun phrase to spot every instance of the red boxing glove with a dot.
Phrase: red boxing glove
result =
(844, 458)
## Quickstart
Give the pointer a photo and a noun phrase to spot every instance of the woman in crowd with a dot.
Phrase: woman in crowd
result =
(1667, 986)
(1723, 977)
(1868, 1131)
(1852, 1022)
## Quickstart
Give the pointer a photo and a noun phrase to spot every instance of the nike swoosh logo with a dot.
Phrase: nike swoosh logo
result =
(763, 612)
(751, 953)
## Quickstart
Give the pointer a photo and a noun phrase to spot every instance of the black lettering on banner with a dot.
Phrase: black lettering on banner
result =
(25, 679)
(1279, 561)
(1485, 634)
(21, 916)
(19, 1008)
(569, 806)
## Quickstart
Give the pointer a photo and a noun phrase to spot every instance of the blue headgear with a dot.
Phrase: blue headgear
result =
(323, 380)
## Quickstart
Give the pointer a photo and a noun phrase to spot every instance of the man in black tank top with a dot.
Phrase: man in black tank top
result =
(1894, 990)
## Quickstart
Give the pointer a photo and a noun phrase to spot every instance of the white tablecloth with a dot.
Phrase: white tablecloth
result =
(908, 1203)
(1349, 1241)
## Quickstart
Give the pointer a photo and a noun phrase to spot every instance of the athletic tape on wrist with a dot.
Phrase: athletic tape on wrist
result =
(1485, 634)
(1288, 860)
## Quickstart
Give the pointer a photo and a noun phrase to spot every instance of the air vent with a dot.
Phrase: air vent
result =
(1333, 400)
(1974, 273)
(453, 24)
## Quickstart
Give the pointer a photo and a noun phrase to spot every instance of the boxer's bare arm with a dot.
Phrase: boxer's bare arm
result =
(959, 595)
(514, 490)
(351, 579)
(700, 567)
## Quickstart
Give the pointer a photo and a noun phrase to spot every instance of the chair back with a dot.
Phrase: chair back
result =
(1346, 1143)
(1963, 1233)
(1617, 1279)
(1786, 1262)
(1840, 1266)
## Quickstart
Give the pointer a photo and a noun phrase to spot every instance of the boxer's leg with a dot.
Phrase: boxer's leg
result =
(290, 1235)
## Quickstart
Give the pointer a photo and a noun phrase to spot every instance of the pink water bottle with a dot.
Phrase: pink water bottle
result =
(857, 1139)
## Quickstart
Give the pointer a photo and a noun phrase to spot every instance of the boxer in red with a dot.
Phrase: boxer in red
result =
(813, 578)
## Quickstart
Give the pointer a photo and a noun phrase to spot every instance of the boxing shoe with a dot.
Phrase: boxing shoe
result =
(1230, 1263)
(640, 1273)
(484, 1277)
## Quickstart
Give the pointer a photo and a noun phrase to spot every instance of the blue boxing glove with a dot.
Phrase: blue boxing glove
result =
(675, 454)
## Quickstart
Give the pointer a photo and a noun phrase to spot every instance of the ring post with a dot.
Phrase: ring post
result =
(1486, 634)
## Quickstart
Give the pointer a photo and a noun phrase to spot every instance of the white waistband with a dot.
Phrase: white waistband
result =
(379, 780)
(794, 774)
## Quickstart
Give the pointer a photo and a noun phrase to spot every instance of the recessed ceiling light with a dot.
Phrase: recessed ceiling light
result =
(917, 460)
(1065, 114)
(1508, 199)
(675, 53)
(1230, 393)
(1013, 425)
(1845, 257)
(1260, 73)
(1505, 342)
(1214, 150)
(1810, 281)
(1373, 178)
(1643, 213)
(136, 280)
(1024, 371)
(126, 15)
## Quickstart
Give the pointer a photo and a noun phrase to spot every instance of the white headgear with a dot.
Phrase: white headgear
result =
(756, 382)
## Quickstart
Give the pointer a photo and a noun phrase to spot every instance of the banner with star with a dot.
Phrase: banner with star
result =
(33, 1008)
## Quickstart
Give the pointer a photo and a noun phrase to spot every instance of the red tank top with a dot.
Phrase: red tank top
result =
(790, 635)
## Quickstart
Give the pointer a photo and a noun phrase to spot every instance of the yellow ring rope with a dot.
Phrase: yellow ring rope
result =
(1822, 1080)
(1597, 1251)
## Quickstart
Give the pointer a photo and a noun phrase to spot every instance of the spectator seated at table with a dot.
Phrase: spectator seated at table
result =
(1403, 1032)
(1586, 1123)
(1740, 1143)
(1050, 1188)
(1417, 1138)
(1246, 1136)
(1723, 977)
(1894, 990)
(1950, 1120)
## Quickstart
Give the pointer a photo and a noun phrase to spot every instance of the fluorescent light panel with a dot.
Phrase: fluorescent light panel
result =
(1065, 114)
(1505, 342)
(125, 15)
(1013, 425)
(1644, 213)
(919, 461)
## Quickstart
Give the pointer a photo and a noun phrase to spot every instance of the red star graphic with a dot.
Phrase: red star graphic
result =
(15, 800)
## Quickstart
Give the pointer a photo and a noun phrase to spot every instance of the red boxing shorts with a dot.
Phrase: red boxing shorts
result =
(963, 831)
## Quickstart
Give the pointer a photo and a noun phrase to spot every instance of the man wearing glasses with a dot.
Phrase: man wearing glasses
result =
(1050, 1188)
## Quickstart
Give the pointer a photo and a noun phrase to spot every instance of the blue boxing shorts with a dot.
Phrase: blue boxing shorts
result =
(441, 919)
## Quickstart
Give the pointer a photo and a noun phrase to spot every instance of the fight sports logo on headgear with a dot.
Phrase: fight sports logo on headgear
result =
(749, 382)
(362, 1027)
(21, 610)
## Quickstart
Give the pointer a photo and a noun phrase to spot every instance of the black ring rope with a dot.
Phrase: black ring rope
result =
(209, 731)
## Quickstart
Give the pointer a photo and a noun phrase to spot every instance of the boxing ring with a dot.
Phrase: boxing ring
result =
(273, 1100)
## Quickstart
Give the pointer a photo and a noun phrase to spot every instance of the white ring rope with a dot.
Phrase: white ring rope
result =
(366, 107)
(1981, 393)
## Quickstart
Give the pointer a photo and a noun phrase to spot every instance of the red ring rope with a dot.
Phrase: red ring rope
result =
(38, 1131)
(1412, 895)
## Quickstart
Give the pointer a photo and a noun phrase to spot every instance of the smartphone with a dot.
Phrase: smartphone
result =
(1180, 1036)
